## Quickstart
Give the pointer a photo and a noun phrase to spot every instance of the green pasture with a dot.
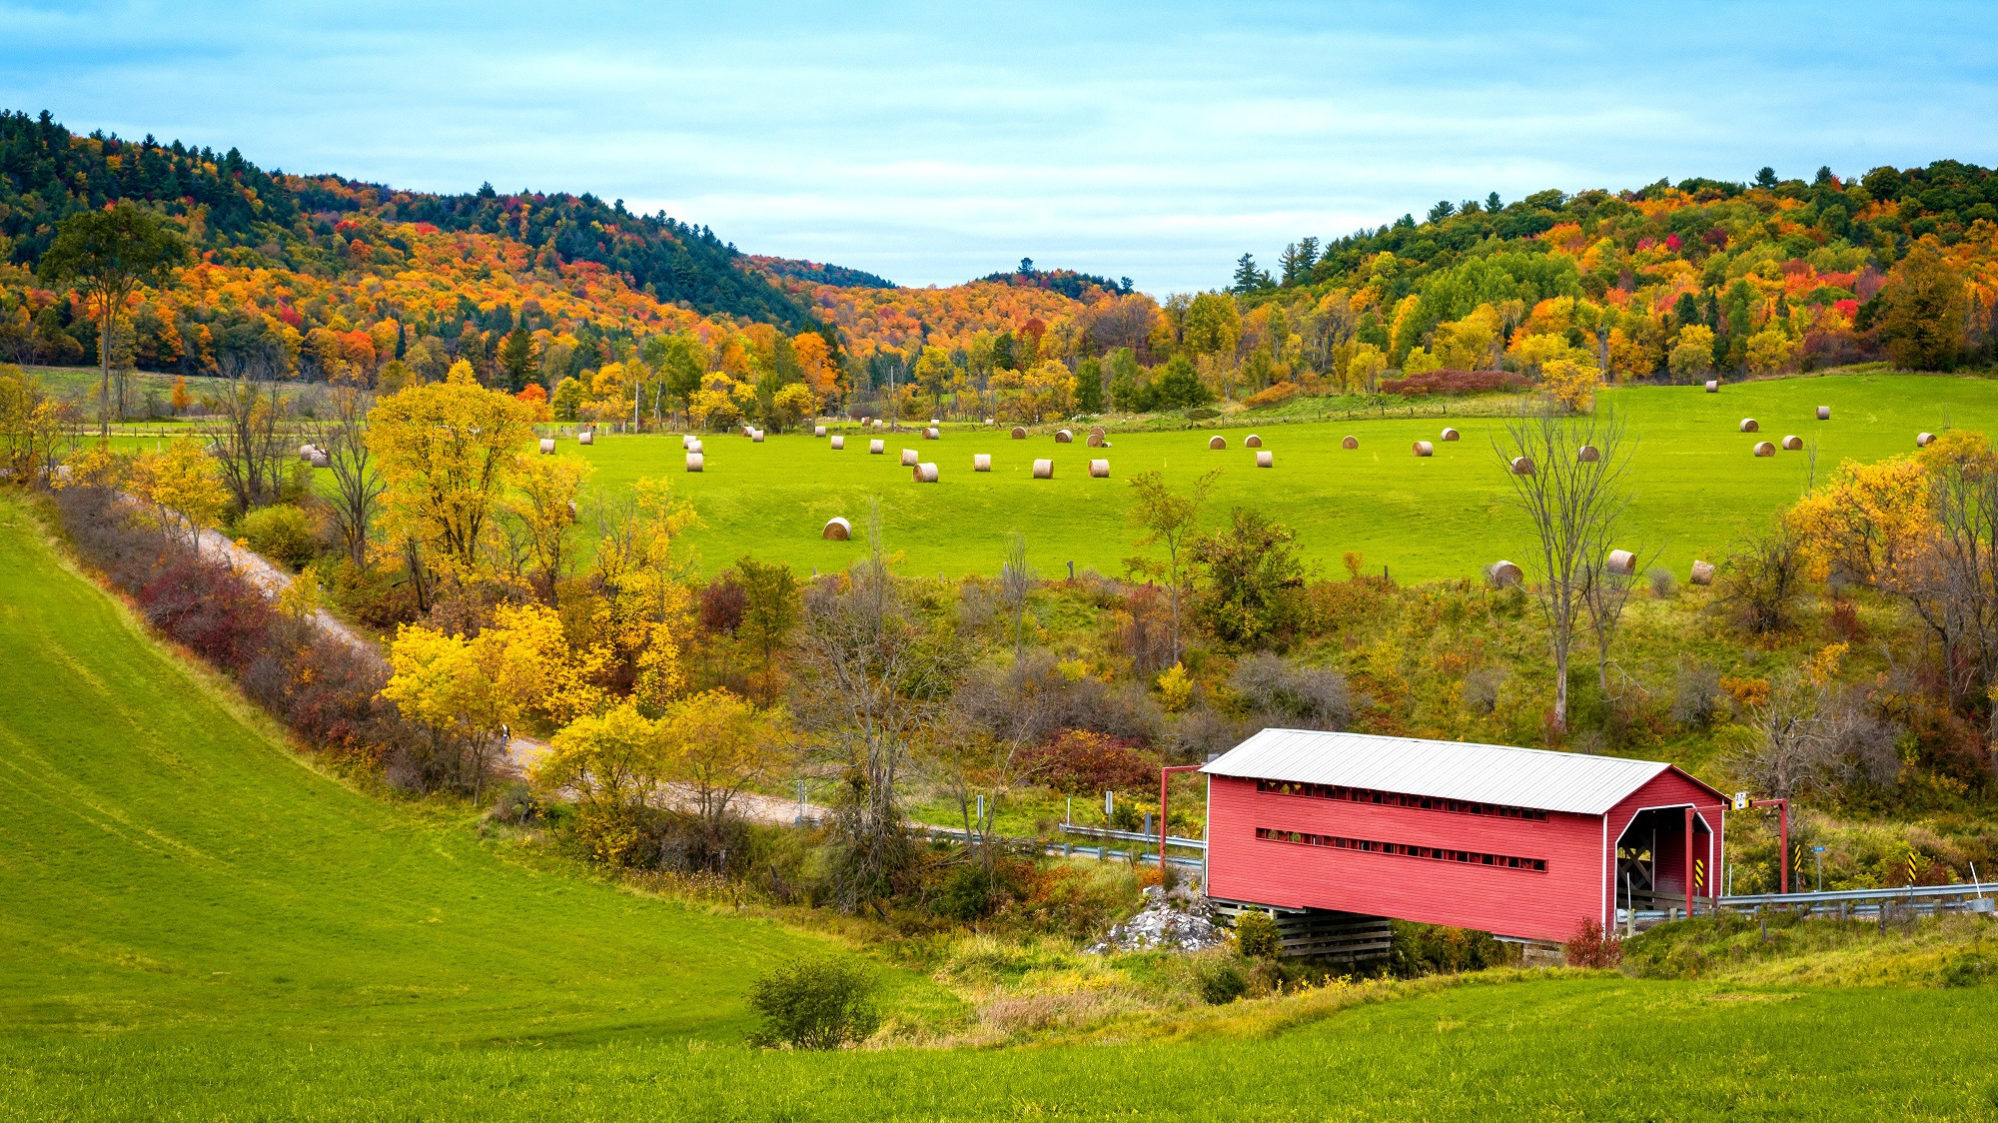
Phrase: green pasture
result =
(1562, 1048)
(1697, 487)
(167, 869)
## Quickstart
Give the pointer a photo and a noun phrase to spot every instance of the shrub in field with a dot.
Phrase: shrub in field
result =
(1257, 935)
(1431, 949)
(1966, 969)
(1445, 381)
(1271, 395)
(1590, 946)
(1219, 981)
(1082, 761)
(282, 533)
(1314, 696)
(820, 1002)
(204, 606)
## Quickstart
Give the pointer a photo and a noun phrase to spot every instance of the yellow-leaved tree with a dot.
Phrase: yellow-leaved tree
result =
(520, 673)
(718, 745)
(1571, 381)
(180, 483)
(542, 514)
(615, 758)
(645, 605)
(448, 452)
(1866, 521)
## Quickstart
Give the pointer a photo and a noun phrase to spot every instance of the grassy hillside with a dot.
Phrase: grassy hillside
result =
(1697, 488)
(166, 869)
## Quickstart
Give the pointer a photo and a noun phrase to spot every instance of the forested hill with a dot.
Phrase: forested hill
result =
(256, 219)
(818, 273)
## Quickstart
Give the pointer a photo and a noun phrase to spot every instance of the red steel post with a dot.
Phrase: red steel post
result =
(1782, 807)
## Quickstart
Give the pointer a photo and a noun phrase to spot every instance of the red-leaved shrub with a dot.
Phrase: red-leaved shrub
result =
(1081, 761)
(1590, 946)
(1455, 382)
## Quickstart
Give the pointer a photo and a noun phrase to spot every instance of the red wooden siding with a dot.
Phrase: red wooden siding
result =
(1579, 853)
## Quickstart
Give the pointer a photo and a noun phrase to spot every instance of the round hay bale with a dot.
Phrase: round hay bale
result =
(988, 421)
(587, 437)
(1924, 440)
(837, 530)
(321, 459)
(1096, 439)
(1522, 466)
(909, 458)
(876, 447)
(1623, 563)
(572, 510)
(757, 436)
(936, 421)
(1422, 448)
(926, 473)
(1503, 574)
(695, 462)
(695, 446)
(1588, 454)
(865, 421)
(1748, 425)
(1265, 458)
(1044, 469)
(1713, 385)
(305, 453)
(1793, 443)
(1703, 572)
(1350, 442)
(982, 462)
(1217, 442)
(1764, 448)
(1252, 441)
(1097, 433)
(931, 434)
(548, 446)
(1064, 437)
(1019, 434)
(1824, 413)
(686, 442)
(838, 443)
(877, 424)
(818, 430)
(1099, 469)
(1450, 434)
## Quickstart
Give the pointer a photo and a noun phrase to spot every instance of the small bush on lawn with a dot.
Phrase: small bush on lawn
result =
(1590, 946)
(1257, 935)
(281, 533)
(1966, 969)
(820, 1002)
(1220, 981)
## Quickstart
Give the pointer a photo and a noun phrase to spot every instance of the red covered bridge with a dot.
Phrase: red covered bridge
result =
(1523, 843)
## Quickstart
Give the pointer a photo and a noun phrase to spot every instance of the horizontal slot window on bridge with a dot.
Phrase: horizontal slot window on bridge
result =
(1397, 799)
(1406, 850)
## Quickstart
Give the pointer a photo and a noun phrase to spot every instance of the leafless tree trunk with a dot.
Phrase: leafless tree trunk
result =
(869, 685)
(1953, 583)
(1574, 506)
(1016, 583)
(251, 446)
(357, 483)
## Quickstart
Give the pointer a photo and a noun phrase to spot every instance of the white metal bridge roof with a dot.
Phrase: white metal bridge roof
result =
(1542, 779)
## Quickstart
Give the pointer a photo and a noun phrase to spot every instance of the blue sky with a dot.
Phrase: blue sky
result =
(932, 144)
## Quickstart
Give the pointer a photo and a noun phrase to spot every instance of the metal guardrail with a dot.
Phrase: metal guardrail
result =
(1834, 896)
(1069, 849)
(1133, 836)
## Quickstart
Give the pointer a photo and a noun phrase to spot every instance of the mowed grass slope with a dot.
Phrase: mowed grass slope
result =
(1697, 488)
(1562, 1048)
(167, 869)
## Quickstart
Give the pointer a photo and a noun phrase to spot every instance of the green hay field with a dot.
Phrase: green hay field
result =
(1696, 486)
